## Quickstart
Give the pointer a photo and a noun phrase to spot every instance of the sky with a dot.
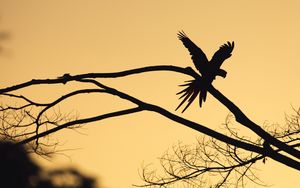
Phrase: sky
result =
(50, 38)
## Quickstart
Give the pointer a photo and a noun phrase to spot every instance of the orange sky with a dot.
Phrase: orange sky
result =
(50, 38)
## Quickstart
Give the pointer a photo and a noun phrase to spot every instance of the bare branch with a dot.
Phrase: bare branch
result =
(224, 155)
(81, 121)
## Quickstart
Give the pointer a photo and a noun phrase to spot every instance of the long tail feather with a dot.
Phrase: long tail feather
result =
(189, 93)
(202, 96)
(192, 98)
(186, 96)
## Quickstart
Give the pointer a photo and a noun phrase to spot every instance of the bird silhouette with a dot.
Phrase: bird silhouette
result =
(208, 70)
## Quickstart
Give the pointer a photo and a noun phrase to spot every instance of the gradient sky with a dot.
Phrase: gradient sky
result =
(50, 38)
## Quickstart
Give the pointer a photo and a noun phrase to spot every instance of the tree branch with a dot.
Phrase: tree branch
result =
(240, 116)
(200, 128)
(244, 120)
(81, 121)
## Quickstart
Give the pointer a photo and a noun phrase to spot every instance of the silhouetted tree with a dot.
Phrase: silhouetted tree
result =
(18, 170)
(227, 155)
(194, 165)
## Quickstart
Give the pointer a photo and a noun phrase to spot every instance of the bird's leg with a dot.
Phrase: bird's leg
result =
(221, 72)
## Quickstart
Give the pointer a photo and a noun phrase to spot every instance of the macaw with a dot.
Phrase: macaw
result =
(208, 70)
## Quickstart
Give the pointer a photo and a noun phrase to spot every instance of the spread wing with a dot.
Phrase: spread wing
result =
(223, 53)
(198, 56)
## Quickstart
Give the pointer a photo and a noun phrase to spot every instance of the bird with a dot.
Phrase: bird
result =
(208, 70)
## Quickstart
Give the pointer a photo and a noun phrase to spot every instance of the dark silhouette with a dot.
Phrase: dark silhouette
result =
(208, 69)
(18, 170)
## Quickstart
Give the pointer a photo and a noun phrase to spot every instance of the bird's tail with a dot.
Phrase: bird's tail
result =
(202, 96)
(193, 88)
